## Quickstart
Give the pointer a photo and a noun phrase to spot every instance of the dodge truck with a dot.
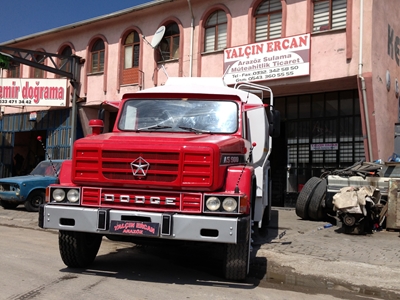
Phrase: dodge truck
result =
(186, 161)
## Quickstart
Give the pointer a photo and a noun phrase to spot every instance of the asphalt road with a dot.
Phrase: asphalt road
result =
(31, 268)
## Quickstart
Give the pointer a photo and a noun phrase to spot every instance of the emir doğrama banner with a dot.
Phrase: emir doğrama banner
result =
(275, 59)
(33, 92)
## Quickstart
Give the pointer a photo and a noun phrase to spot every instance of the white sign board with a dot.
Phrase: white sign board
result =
(33, 92)
(327, 146)
(275, 59)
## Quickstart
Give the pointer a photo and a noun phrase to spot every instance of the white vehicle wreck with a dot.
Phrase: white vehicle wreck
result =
(362, 197)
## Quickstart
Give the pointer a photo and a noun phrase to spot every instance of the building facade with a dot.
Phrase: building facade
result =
(333, 67)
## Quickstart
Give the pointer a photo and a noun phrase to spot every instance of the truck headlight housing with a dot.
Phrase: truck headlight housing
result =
(227, 204)
(61, 195)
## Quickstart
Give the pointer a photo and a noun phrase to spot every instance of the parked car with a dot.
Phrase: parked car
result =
(29, 189)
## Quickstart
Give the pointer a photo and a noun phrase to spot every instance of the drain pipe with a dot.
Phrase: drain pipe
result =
(363, 88)
(191, 40)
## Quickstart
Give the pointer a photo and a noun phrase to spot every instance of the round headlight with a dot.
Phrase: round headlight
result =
(229, 204)
(73, 196)
(58, 195)
(213, 203)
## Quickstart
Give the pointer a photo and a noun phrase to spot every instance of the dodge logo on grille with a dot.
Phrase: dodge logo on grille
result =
(139, 167)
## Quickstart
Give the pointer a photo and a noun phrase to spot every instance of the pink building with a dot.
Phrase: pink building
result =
(333, 66)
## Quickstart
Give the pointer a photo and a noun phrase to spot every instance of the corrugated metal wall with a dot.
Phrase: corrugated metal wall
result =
(57, 124)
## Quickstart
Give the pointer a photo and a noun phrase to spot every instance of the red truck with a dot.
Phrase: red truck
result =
(186, 161)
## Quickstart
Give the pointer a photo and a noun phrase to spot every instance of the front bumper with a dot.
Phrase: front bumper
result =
(231, 230)
(11, 197)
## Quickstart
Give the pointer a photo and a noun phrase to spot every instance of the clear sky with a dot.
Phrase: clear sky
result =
(19, 18)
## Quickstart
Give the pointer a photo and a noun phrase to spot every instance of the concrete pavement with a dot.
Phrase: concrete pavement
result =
(304, 253)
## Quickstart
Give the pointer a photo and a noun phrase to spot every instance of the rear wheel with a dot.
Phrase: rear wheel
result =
(304, 197)
(78, 249)
(34, 200)
(8, 205)
(237, 258)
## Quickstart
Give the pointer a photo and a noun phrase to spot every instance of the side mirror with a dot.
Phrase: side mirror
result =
(100, 114)
(274, 119)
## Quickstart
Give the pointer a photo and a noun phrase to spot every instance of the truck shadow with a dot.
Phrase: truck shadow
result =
(184, 263)
(194, 264)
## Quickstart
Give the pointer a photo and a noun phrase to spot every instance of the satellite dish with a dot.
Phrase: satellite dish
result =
(158, 36)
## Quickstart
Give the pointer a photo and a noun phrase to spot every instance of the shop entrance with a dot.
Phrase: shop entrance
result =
(319, 132)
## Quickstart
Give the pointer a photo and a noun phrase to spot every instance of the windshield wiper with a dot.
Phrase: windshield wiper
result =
(154, 127)
(194, 129)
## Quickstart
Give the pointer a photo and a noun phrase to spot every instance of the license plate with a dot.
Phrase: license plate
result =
(135, 228)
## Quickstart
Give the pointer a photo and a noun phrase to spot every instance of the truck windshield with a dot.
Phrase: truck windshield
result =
(179, 115)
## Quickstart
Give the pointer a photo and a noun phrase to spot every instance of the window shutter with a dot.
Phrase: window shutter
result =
(210, 38)
(321, 16)
(261, 29)
(268, 20)
(276, 26)
(101, 61)
(339, 11)
(324, 19)
(216, 32)
(222, 34)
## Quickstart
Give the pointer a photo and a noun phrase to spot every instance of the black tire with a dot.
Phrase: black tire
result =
(78, 249)
(237, 259)
(315, 210)
(304, 197)
(8, 205)
(35, 199)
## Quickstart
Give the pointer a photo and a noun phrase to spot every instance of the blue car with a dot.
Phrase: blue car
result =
(29, 189)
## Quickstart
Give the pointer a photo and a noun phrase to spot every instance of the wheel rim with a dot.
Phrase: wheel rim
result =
(36, 201)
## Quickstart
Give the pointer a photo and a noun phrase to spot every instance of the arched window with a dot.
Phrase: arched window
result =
(216, 31)
(97, 57)
(65, 64)
(329, 14)
(36, 72)
(268, 20)
(169, 45)
(131, 50)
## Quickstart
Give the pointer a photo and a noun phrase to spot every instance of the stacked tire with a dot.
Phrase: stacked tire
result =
(310, 202)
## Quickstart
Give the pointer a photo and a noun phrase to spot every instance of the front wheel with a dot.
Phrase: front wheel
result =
(78, 249)
(237, 259)
(34, 200)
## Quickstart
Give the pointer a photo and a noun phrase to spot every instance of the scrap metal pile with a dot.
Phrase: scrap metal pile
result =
(357, 196)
